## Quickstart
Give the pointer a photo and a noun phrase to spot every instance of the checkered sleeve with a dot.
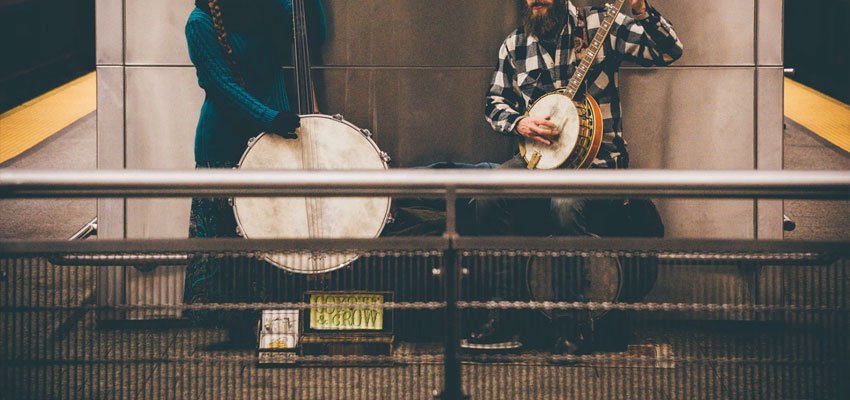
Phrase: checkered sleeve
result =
(503, 98)
(647, 40)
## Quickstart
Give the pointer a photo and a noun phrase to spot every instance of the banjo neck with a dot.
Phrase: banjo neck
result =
(305, 95)
(593, 49)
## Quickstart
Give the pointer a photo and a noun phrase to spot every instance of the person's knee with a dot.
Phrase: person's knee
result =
(492, 216)
(568, 216)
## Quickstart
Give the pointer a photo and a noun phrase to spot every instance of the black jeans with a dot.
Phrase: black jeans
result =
(568, 216)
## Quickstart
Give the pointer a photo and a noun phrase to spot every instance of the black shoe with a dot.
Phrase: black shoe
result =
(573, 338)
(491, 335)
(566, 346)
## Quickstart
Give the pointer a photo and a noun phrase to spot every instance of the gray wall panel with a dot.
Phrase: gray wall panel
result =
(110, 155)
(110, 145)
(163, 105)
(155, 31)
(110, 117)
(689, 118)
(418, 116)
(428, 33)
(770, 105)
(415, 32)
(708, 219)
(770, 144)
(109, 32)
(685, 119)
(770, 23)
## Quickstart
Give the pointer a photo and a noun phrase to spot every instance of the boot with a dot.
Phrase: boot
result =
(572, 337)
(492, 335)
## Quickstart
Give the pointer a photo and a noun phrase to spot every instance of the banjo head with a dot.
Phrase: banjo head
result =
(323, 143)
(565, 116)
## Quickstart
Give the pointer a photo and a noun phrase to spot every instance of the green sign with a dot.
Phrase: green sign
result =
(338, 317)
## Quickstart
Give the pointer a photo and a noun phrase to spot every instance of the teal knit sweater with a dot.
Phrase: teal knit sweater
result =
(232, 114)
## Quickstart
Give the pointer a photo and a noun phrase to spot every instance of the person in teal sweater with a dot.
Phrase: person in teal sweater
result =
(238, 48)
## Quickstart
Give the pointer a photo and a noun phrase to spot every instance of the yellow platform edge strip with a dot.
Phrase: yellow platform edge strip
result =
(36, 120)
(819, 113)
(29, 124)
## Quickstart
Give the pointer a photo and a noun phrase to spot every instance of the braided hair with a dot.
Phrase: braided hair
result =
(214, 9)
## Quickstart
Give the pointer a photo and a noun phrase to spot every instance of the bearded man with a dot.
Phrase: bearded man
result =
(539, 57)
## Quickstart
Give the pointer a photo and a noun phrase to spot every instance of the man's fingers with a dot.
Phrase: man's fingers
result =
(537, 127)
(541, 140)
(543, 131)
(544, 122)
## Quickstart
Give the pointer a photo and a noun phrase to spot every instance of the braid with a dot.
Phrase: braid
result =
(223, 42)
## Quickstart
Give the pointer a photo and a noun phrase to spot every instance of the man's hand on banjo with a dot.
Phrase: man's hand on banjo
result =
(537, 128)
(540, 128)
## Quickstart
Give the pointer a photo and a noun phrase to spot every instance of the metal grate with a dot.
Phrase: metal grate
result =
(689, 320)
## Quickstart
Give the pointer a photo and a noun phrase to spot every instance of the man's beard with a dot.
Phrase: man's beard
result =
(546, 24)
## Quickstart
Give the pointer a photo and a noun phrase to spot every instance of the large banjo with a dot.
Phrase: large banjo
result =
(578, 120)
(324, 142)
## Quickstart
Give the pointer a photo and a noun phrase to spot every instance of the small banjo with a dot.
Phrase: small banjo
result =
(579, 121)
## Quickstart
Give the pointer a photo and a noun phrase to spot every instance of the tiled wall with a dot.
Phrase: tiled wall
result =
(414, 72)
(408, 69)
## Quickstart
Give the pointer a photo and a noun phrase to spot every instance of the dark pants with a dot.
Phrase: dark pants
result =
(569, 216)
(218, 278)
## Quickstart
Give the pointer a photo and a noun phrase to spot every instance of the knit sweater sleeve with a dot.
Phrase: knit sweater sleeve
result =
(216, 77)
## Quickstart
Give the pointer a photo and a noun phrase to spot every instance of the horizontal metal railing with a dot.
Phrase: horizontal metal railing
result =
(736, 250)
(425, 183)
(449, 184)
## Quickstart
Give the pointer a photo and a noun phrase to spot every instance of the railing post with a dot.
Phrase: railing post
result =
(452, 387)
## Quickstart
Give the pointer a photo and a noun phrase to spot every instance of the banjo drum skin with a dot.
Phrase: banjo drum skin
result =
(323, 142)
(580, 124)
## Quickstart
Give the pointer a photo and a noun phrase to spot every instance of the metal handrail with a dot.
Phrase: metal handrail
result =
(732, 249)
(426, 183)
(140, 261)
(89, 229)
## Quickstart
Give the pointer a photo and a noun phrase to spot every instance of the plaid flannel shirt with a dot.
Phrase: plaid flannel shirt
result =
(526, 71)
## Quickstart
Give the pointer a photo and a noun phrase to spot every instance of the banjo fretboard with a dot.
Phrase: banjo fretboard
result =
(593, 48)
